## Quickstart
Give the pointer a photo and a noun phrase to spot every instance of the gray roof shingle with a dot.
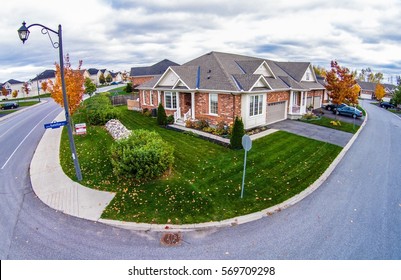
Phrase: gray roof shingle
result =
(234, 73)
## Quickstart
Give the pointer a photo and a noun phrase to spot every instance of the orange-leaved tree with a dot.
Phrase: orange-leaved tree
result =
(341, 85)
(380, 92)
(44, 86)
(74, 82)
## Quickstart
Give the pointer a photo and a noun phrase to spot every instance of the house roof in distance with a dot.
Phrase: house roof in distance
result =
(155, 69)
(47, 74)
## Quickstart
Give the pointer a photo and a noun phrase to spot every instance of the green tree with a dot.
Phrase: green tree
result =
(397, 95)
(109, 79)
(90, 87)
(102, 79)
(128, 88)
(237, 133)
(161, 115)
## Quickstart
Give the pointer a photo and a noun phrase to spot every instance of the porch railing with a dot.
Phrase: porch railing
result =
(187, 115)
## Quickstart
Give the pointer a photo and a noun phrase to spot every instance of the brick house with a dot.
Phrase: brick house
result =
(368, 90)
(219, 86)
(140, 75)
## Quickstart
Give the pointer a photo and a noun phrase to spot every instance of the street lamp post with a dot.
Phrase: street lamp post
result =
(23, 33)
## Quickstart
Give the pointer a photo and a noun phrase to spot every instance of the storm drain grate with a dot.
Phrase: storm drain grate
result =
(171, 239)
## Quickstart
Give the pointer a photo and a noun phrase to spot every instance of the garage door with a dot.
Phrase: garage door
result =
(316, 102)
(276, 111)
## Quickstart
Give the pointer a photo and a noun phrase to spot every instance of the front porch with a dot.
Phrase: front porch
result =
(185, 108)
(297, 106)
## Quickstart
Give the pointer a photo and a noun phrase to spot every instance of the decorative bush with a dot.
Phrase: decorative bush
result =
(99, 110)
(237, 133)
(161, 115)
(170, 119)
(144, 155)
(128, 88)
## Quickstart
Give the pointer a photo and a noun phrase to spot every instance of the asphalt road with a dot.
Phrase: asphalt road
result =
(355, 214)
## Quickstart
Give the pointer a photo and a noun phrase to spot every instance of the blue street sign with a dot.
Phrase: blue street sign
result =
(54, 125)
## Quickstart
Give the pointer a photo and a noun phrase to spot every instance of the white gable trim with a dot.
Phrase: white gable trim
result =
(264, 69)
(309, 71)
(261, 82)
(162, 80)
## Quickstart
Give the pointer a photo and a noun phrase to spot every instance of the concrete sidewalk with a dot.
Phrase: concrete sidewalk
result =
(59, 192)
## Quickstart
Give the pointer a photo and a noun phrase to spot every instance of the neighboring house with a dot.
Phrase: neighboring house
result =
(220, 86)
(94, 74)
(322, 80)
(36, 83)
(368, 90)
(11, 86)
(140, 75)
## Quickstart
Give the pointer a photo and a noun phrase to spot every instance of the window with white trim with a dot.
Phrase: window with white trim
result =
(255, 105)
(213, 104)
(170, 100)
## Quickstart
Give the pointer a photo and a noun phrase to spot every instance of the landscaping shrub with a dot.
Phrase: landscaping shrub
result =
(170, 119)
(99, 109)
(161, 115)
(237, 133)
(128, 88)
(143, 155)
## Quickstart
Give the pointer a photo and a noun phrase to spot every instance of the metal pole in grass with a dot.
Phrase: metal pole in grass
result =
(247, 144)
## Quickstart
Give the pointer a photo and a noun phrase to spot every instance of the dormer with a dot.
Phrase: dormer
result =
(309, 75)
(264, 70)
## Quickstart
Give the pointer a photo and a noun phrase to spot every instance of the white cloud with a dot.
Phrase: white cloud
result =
(119, 34)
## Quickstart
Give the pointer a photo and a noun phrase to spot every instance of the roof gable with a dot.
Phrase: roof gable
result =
(170, 79)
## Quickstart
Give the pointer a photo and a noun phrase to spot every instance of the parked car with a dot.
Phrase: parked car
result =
(386, 105)
(333, 107)
(349, 111)
(10, 105)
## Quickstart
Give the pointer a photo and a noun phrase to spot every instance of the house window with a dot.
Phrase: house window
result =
(256, 105)
(213, 103)
(170, 100)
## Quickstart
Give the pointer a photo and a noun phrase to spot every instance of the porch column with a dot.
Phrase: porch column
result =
(291, 101)
(303, 103)
(158, 97)
(193, 105)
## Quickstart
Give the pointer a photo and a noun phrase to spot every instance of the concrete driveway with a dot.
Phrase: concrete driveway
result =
(316, 132)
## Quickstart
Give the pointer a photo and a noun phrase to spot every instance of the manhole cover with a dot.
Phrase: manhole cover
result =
(171, 239)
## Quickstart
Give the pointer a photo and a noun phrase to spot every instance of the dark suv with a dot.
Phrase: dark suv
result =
(387, 105)
(10, 105)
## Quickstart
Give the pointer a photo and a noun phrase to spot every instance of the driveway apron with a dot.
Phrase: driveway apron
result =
(316, 132)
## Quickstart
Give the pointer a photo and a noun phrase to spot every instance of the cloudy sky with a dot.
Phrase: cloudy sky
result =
(120, 34)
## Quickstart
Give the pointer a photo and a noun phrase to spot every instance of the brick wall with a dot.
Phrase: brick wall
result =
(136, 81)
(278, 96)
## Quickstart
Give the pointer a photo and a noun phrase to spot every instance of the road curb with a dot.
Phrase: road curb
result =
(218, 224)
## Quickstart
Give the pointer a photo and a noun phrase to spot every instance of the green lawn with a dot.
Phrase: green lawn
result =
(205, 182)
(326, 122)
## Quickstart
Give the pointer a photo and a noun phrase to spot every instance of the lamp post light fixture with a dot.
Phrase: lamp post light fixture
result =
(23, 33)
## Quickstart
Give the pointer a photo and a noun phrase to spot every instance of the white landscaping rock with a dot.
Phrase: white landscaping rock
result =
(117, 130)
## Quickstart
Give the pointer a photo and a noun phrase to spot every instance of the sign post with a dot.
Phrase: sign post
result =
(247, 144)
